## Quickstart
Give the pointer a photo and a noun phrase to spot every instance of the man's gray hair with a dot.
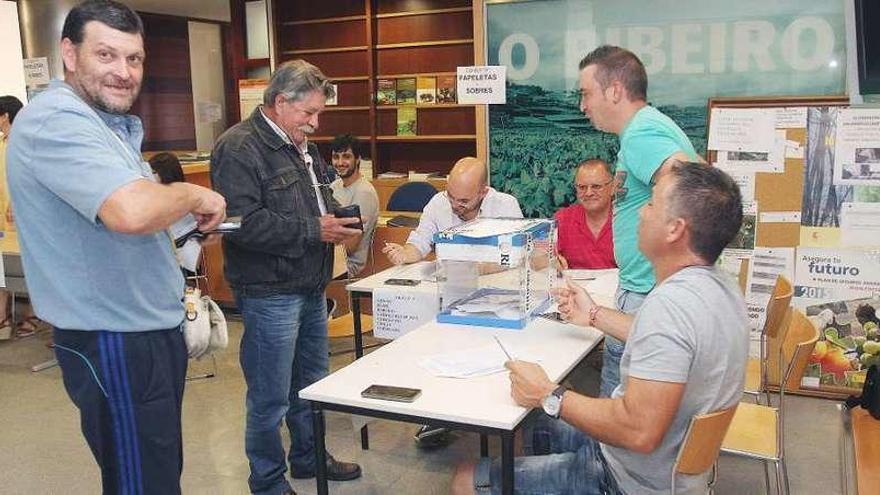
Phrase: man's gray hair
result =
(294, 80)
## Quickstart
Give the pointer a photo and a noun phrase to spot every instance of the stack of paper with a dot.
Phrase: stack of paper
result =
(468, 363)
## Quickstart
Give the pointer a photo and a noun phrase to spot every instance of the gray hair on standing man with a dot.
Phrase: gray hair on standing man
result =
(295, 79)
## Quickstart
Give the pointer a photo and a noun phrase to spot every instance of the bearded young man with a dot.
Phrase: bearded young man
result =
(353, 189)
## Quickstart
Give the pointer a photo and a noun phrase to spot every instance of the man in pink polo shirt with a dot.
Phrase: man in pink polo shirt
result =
(585, 237)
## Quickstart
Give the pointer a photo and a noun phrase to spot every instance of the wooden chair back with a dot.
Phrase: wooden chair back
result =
(377, 261)
(701, 445)
(775, 326)
(777, 307)
(800, 340)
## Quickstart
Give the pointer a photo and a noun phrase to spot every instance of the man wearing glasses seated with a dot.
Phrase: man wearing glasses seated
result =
(584, 228)
(467, 197)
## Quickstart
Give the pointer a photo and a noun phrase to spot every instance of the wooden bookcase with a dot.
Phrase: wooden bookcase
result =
(357, 42)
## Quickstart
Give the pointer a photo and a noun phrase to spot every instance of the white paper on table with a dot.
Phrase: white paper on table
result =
(791, 117)
(472, 362)
(857, 147)
(397, 310)
(742, 129)
(780, 217)
(744, 178)
(860, 225)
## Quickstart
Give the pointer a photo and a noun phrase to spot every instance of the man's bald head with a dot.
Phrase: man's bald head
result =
(469, 170)
(467, 186)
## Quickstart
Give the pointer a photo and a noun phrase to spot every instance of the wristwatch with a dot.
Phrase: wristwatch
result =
(552, 404)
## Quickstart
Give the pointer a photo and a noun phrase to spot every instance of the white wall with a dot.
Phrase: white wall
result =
(209, 96)
(11, 68)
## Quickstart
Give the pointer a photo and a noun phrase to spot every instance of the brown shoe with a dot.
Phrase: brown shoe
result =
(336, 471)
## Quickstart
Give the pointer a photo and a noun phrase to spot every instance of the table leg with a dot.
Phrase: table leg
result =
(358, 331)
(507, 463)
(484, 445)
(320, 450)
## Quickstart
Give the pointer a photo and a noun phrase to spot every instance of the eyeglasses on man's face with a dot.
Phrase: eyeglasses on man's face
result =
(582, 188)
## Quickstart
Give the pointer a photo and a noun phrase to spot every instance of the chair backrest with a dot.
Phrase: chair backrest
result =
(797, 347)
(773, 334)
(411, 196)
(779, 303)
(702, 442)
(377, 261)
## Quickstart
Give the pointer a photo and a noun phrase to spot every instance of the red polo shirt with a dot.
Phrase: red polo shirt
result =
(577, 244)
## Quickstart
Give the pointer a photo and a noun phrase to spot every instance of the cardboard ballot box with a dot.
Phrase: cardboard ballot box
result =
(495, 272)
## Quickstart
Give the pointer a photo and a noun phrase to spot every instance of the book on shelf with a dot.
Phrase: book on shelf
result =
(406, 121)
(446, 89)
(391, 175)
(426, 90)
(386, 92)
(406, 91)
(423, 176)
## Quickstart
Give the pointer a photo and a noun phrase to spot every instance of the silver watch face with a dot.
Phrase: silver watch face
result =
(551, 405)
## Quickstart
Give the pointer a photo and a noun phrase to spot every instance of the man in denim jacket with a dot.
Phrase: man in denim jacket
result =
(278, 264)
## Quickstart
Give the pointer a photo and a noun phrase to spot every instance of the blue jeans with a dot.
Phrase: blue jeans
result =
(283, 349)
(560, 459)
(629, 302)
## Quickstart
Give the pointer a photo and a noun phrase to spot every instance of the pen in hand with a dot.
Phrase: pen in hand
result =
(509, 357)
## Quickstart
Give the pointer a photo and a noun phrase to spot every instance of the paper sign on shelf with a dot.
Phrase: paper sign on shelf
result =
(396, 311)
(485, 84)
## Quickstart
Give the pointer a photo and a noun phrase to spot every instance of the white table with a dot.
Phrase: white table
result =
(482, 404)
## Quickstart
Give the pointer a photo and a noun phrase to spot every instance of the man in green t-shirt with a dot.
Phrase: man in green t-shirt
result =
(613, 94)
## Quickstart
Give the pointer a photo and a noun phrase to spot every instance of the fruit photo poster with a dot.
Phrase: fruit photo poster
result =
(839, 290)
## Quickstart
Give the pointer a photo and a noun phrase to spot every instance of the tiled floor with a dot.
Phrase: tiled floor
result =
(43, 451)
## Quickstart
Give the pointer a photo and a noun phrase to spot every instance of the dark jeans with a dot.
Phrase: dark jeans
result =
(283, 350)
(628, 302)
(128, 387)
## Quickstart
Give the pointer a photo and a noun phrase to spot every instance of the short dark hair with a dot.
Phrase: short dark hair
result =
(618, 64)
(346, 141)
(592, 162)
(10, 105)
(114, 14)
(167, 167)
(711, 204)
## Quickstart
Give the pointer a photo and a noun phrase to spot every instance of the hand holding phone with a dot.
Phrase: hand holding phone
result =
(350, 211)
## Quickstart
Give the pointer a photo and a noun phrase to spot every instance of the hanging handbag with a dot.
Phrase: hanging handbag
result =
(870, 398)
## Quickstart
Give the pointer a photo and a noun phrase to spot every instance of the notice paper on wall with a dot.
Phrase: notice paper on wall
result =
(791, 117)
(857, 147)
(764, 268)
(745, 179)
(780, 217)
(860, 225)
(742, 129)
(398, 310)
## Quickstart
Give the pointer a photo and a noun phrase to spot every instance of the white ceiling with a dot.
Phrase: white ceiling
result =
(217, 10)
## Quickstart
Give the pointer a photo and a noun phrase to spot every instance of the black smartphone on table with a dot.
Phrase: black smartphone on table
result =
(388, 392)
(350, 211)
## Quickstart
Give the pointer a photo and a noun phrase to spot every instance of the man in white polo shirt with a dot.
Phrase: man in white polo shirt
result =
(467, 197)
